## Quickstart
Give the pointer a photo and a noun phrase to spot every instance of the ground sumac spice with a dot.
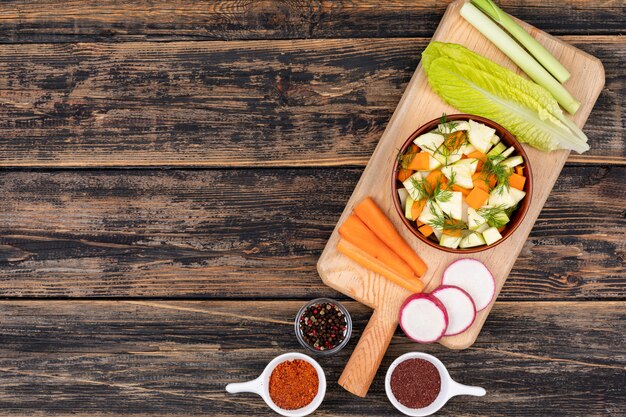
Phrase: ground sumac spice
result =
(323, 326)
(293, 384)
(415, 383)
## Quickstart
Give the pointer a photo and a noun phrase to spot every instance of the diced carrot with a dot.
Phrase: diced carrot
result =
(413, 148)
(417, 207)
(426, 230)
(420, 162)
(479, 165)
(519, 170)
(403, 174)
(465, 191)
(455, 140)
(451, 227)
(479, 181)
(476, 198)
(377, 222)
(356, 232)
(501, 228)
(517, 181)
(419, 223)
(367, 261)
(434, 177)
(477, 154)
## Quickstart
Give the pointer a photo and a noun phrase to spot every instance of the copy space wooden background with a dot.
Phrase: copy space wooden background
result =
(170, 172)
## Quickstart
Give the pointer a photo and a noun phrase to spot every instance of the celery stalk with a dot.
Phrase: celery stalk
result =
(519, 56)
(537, 50)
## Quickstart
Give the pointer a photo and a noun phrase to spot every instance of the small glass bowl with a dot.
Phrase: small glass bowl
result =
(348, 331)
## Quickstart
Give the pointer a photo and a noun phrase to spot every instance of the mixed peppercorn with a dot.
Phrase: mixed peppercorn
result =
(323, 326)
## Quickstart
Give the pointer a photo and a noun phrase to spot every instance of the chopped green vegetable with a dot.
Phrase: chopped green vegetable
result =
(536, 49)
(518, 55)
(476, 85)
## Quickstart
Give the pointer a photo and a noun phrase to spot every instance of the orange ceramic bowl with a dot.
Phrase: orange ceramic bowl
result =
(509, 140)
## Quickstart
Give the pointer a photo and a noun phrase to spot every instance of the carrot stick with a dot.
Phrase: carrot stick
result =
(356, 232)
(375, 219)
(375, 265)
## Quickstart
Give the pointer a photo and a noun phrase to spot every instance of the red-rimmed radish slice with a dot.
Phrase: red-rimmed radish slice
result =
(459, 306)
(472, 276)
(423, 318)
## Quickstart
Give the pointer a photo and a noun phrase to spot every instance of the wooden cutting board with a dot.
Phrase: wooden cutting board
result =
(418, 105)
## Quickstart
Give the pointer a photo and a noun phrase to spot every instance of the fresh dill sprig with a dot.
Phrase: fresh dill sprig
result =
(501, 172)
(404, 159)
(445, 223)
(422, 187)
(495, 216)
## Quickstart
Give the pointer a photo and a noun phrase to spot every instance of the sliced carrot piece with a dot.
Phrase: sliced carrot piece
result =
(413, 148)
(381, 226)
(367, 261)
(451, 228)
(477, 154)
(517, 181)
(465, 191)
(356, 232)
(434, 177)
(519, 170)
(403, 174)
(501, 228)
(426, 230)
(417, 207)
(476, 198)
(420, 162)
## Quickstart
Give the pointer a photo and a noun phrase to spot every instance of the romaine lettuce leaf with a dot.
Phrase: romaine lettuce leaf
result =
(476, 85)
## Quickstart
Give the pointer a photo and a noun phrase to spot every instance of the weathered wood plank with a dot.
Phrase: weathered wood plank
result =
(265, 103)
(174, 358)
(259, 233)
(112, 20)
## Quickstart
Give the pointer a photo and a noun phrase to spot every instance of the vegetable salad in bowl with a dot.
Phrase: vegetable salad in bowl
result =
(462, 183)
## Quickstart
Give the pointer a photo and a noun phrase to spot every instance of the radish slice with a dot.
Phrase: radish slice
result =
(472, 276)
(423, 318)
(459, 306)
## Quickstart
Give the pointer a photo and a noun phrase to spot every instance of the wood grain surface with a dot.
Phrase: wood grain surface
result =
(272, 129)
(150, 358)
(113, 20)
(216, 104)
(221, 233)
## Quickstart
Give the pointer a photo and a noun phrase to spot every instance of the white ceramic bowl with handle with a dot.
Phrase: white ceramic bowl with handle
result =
(449, 387)
(261, 385)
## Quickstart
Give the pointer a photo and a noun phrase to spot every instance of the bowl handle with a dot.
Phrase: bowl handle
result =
(250, 386)
(459, 389)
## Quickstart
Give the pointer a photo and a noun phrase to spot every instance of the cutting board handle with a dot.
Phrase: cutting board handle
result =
(361, 368)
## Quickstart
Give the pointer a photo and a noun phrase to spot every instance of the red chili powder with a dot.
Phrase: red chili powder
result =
(293, 384)
(415, 383)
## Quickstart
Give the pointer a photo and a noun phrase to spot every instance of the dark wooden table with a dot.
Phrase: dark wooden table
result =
(171, 172)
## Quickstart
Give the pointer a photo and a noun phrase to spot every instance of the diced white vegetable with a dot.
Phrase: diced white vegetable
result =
(497, 150)
(472, 276)
(495, 139)
(409, 184)
(438, 233)
(402, 195)
(433, 163)
(407, 208)
(451, 158)
(501, 196)
(513, 161)
(464, 213)
(430, 212)
(480, 136)
(491, 235)
(472, 240)
(454, 206)
(462, 174)
(467, 148)
(471, 162)
(450, 241)
(516, 195)
(429, 142)
(482, 228)
(462, 125)
(506, 153)
(474, 220)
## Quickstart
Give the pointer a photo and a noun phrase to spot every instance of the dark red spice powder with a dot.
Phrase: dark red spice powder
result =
(415, 383)
(293, 384)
